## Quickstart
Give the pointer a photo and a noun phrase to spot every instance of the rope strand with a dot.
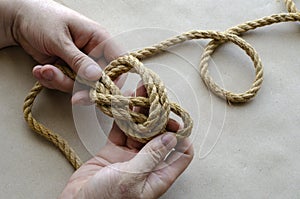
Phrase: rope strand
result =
(110, 101)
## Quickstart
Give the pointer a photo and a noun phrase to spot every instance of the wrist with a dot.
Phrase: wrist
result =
(8, 12)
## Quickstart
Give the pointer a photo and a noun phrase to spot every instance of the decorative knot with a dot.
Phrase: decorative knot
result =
(142, 127)
(138, 126)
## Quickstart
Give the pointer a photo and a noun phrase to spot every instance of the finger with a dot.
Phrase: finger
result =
(102, 63)
(112, 50)
(172, 126)
(183, 147)
(101, 44)
(169, 173)
(53, 78)
(128, 93)
(133, 144)
(81, 98)
(108, 49)
(57, 78)
(141, 92)
(153, 153)
(119, 81)
(36, 71)
(88, 35)
(128, 142)
(83, 65)
(116, 136)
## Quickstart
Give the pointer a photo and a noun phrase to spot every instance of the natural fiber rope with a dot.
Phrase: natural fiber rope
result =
(291, 6)
(143, 128)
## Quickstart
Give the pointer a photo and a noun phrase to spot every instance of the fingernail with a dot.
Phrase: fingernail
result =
(167, 140)
(92, 72)
(48, 75)
(81, 102)
(78, 102)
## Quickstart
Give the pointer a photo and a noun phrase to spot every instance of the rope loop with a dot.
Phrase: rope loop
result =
(249, 50)
(143, 127)
(138, 126)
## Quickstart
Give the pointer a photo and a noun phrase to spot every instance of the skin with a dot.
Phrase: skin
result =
(62, 35)
(124, 168)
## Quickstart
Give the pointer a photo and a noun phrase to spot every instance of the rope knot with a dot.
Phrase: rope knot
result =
(143, 128)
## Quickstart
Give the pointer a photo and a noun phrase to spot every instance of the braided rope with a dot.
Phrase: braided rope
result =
(110, 101)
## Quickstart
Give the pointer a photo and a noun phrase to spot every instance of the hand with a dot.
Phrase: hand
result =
(122, 170)
(125, 168)
(49, 32)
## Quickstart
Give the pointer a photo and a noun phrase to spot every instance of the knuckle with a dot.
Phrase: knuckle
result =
(156, 154)
(103, 31)
(77, 62)
(47, 85)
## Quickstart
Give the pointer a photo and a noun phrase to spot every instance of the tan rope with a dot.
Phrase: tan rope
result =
(143, 128)
(291, 6)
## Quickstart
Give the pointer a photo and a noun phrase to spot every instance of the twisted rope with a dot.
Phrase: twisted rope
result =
(291, 6)
(110, 101)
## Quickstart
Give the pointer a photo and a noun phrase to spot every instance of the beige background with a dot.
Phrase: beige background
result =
(257, 154)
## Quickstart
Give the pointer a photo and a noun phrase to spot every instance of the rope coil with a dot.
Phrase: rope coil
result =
(143, 128)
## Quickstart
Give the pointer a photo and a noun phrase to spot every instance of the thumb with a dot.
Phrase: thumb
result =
(153, 153)
(82, 64)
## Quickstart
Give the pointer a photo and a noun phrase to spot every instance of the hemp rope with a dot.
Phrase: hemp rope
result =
(109, 99)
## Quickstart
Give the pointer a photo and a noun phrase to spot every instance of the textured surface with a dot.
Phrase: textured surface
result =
(257, 154)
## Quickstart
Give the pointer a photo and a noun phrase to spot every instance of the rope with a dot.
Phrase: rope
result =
(291, 6)
(143, 128)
